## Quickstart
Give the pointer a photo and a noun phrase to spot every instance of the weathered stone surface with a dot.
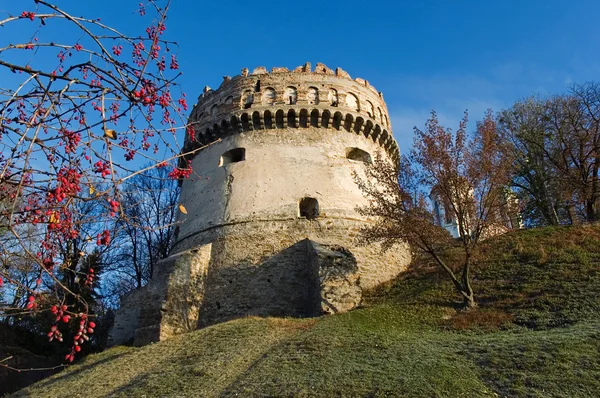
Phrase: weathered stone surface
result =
(338, 279)
(271, 221)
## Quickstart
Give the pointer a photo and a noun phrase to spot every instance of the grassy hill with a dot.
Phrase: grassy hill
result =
(535, 334)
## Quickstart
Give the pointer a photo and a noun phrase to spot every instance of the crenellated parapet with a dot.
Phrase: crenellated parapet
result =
(300, 98)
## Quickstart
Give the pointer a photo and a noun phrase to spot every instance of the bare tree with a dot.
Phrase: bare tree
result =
(144, 230)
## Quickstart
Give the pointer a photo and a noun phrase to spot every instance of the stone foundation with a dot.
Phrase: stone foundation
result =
(296, 268)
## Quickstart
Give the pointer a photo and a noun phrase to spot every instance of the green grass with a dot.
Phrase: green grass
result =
(536, 333)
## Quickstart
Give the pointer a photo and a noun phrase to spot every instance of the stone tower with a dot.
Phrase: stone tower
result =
(271, 220)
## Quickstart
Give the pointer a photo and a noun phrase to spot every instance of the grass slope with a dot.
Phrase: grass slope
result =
(535, 334)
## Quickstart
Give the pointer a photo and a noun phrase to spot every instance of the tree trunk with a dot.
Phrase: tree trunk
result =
(573, 219)
(467, 291)
(590, 210)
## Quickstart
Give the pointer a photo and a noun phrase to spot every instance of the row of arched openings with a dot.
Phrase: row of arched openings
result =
(290, 97)
(282, 119)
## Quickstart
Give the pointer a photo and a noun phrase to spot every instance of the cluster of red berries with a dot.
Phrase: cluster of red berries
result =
(102, 168)
(28, 14)
(54, 333)
(90, 278)
(31, 304)
(114, 207)
(117, 50)
(103, 238)
(178, 173)
(146, 94)
(81, 336)
(60, 313)
(174, 64)
(72, 140)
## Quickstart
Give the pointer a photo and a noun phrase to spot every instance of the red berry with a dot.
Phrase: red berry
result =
(66, 318)
(92, 325)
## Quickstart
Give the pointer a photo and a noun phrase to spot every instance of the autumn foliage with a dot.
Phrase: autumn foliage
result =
(468, 172)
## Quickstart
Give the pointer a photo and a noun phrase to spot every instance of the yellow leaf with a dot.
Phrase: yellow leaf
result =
(53, 218)
(182, 209)
(81, 254)
(112, 134)
(89, 239)
(92, 190)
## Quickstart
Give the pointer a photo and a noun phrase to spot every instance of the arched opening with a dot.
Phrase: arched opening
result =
(303, 118)
(314, 118)
(213, 112)
(279, 119)
(358, 155)
(216, 131)
(368, 128)
(387, 122)
(337, 120)
(379, 115)
(269, 95)
(245, 122)
(358, 124)
(233, 156)
(256, 121)
(224, 128)
(326, 118)
(308, 208)
(247, 99)
(291, 95)
(268, 120)
(235, 124)
(352, 102)
(348, 122)
(313, 95)
(291, 118)
(332, 97)
(376, 133)
(370, 109)
(383, 138)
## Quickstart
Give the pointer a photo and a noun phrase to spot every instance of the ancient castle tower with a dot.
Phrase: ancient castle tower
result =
(271, 219)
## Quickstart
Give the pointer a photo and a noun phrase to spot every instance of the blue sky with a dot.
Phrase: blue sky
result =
(442, 55)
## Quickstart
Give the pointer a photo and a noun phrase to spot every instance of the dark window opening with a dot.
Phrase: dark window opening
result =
(233, 156)
(358, 155)
(309, 208)
(257, 87)
(247, 105)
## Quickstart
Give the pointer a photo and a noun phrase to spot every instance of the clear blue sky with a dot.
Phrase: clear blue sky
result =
(442, 55)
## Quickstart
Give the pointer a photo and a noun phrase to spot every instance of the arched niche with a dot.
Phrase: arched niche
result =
(352, 102)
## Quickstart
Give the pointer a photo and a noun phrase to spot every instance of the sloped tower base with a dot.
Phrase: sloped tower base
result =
(256, 275)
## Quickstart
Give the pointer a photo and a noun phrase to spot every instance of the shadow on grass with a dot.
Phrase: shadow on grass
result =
(67, 373)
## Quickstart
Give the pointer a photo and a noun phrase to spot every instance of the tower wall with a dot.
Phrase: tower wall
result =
(271, 223)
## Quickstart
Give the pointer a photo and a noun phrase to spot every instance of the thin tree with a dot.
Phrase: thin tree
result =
(468, 174)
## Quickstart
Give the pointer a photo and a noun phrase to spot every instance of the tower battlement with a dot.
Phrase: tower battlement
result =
(301, 98)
